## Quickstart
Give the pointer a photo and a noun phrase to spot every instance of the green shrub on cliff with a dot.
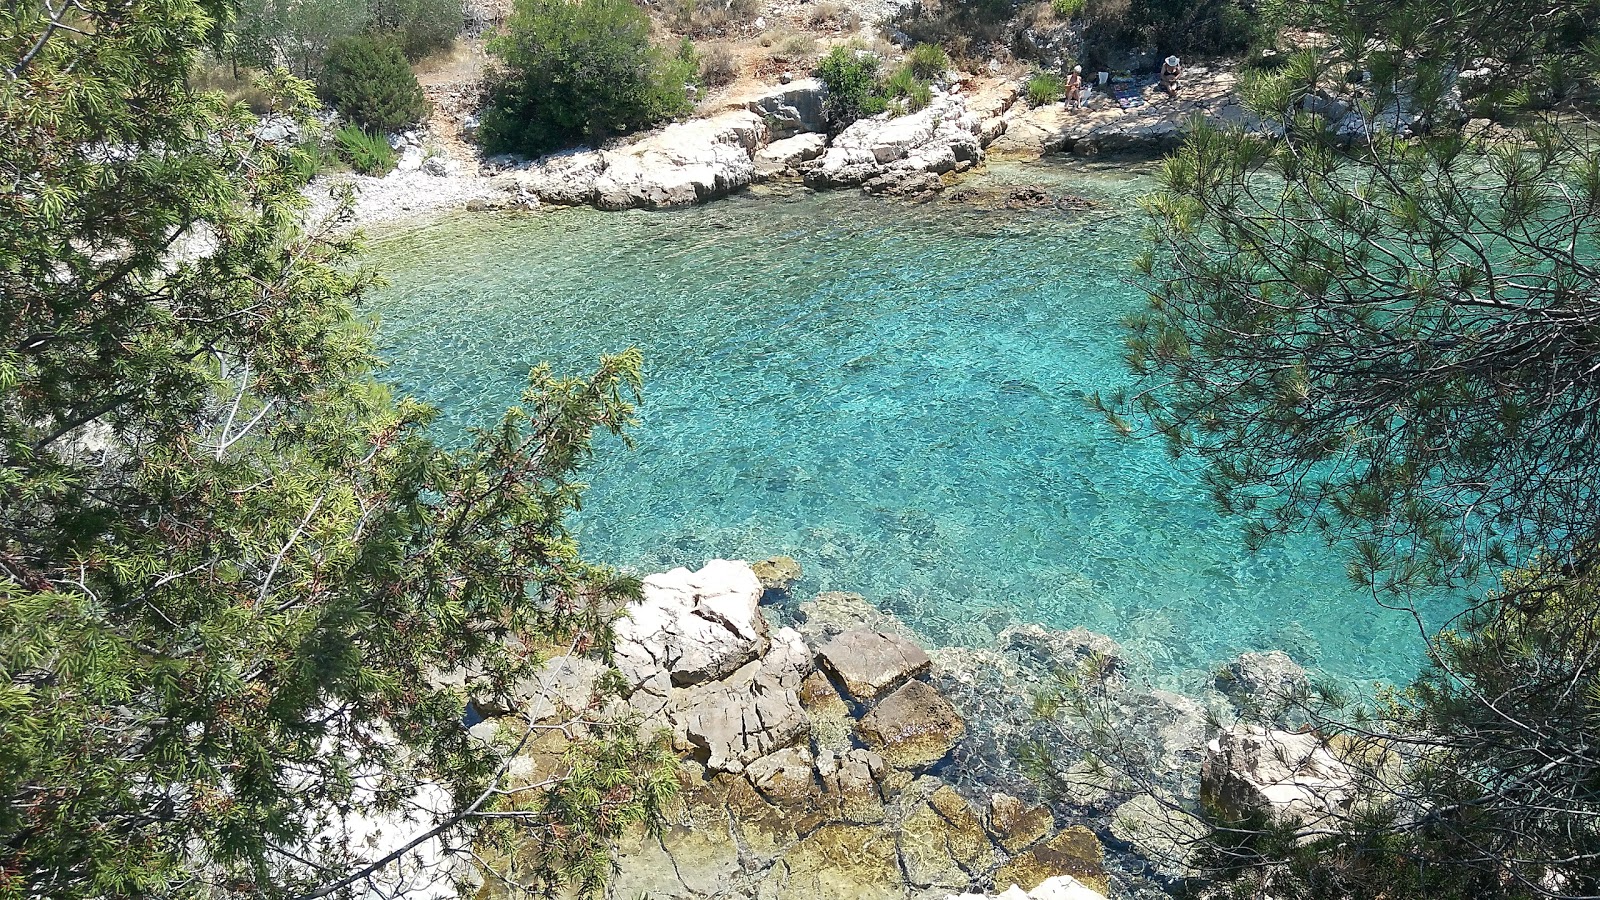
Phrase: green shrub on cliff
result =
(577, 71)
(851, 79)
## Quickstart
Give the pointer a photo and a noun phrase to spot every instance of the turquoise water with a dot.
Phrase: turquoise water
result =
(890, 393)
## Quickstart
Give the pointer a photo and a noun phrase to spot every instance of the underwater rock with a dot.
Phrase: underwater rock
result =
(1265, 684)
(1015, 824)
(1073, 851)
(871, 663)
(777, 573)
(1164, 835)
(835, 861)
(943, 844)
(912, 728)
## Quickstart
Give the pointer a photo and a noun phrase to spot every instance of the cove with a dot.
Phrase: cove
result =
(891, 393)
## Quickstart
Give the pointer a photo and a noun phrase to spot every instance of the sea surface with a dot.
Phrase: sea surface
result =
(891, 393)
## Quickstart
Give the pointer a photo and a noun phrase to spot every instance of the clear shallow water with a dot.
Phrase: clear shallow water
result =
(892, 394)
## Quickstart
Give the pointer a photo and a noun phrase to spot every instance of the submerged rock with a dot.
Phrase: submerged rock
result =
(942, 843)
(777, 573)
(912, 728)
(871, 663)
(1160, 832)
(1268, 685)
(1015, 824)
(1074, 851)
(837, 861)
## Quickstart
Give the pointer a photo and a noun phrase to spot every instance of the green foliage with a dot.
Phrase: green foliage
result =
(242, 591)
(1169, 26)
(1045, 88)
(368, 81)
(906, 91)
(1389, 340)
(421, 27)
(927, 62)
(851, 79)
(577, 71)
(1066, 9)
(367, 152)
(292, 34)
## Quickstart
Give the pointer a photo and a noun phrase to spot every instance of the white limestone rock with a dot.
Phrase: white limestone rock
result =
(1061, 887)
(731, 723)
(1285, 774)
(695, 626)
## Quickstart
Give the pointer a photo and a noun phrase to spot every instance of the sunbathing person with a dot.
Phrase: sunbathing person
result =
(1170, 70)
(1075, 86)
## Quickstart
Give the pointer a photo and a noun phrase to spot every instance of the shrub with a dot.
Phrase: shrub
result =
(579, 70)
(910, 92)
(1045, 87)
(367, 153)
(796, 47)
(851, 78)
(702, 18)
(1066, 9)
(928, 61)
(719, 66)
(368, 80)
(421, 27)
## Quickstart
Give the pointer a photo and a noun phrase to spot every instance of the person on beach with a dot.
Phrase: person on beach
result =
(1075, 87)
(1170, 70)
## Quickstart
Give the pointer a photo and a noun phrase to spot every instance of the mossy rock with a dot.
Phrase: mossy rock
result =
(1073, 851)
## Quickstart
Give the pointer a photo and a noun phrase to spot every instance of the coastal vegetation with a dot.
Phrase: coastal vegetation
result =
(244, 595)
(580, 71)
(1390, 340)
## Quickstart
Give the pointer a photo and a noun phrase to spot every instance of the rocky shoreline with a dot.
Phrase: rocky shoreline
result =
(777, 133)
(827, 753)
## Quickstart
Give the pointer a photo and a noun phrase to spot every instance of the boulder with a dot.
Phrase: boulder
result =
(886, 150)
(1074, 852)
(1077, 651)
(871, 663)
(730, 723)
(777, 573)
(679, 165)
(793, 108)
(1015, 824)
(912, 728)
(695, 626)
(1250, 769)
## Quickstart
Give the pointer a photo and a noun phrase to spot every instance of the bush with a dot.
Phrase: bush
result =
(719, 66)
(703, 18)
(420, 26)
(1066, 9)
(367, 153)
(796, 47)
(579, 70)
(910, 92)
(1045, 87)
(851, 78)
(928, 61)
(368, 80)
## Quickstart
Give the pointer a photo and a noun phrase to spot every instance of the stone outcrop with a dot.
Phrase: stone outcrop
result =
(870, 663)
(692, 626)
(1288, 775)
(679, 165)
(912, 728)
(785, 156)
(751, 713)
(888, 154)
(791, 109)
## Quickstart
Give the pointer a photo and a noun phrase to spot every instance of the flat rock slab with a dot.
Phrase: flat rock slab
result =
(912, 728)
(870, 663)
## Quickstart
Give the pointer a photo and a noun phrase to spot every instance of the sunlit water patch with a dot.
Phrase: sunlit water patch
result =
(890, 393)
